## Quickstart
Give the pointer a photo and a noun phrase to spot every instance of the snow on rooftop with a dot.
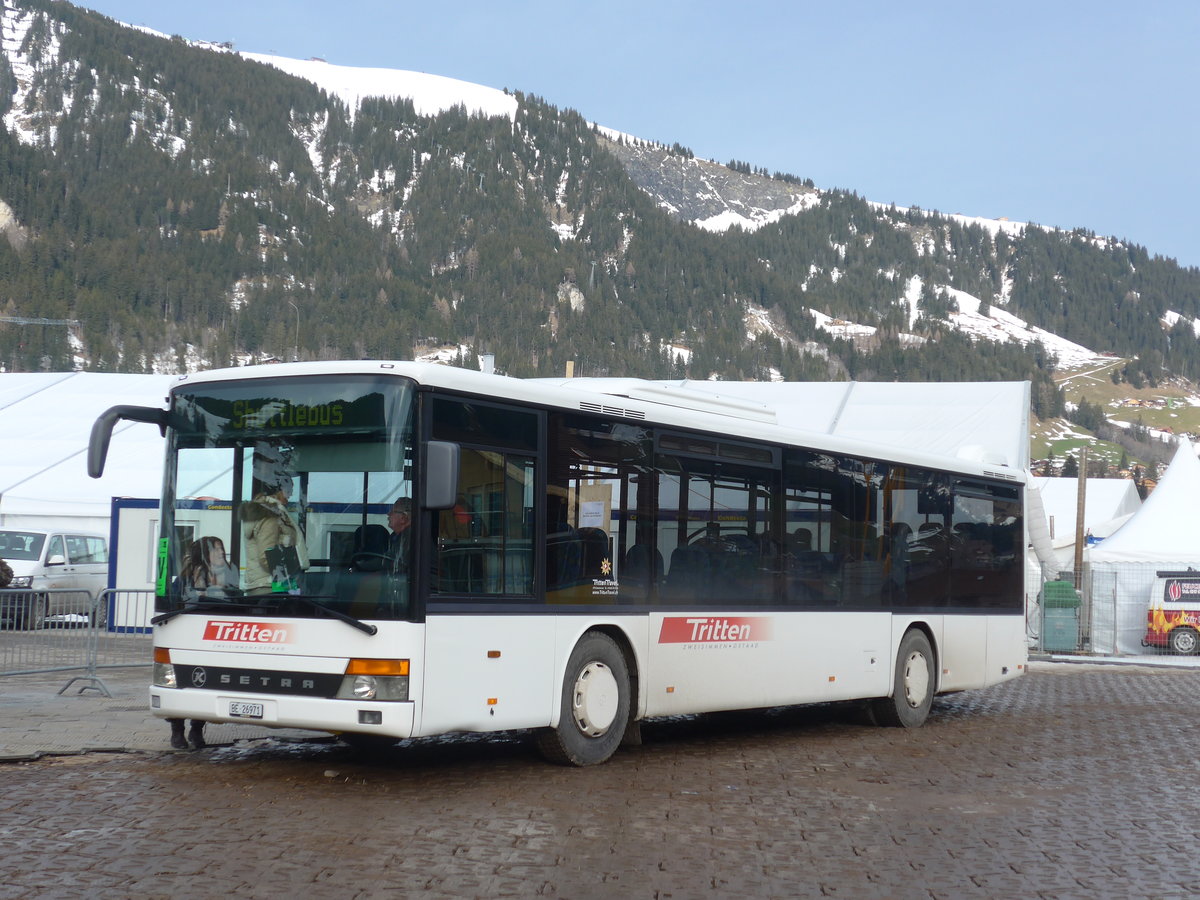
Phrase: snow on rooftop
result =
(840, 327)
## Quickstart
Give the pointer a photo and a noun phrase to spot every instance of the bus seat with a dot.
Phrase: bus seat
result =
(594, 544)
(564, 557)
(372, 542)
(643, 566)
(690, 573)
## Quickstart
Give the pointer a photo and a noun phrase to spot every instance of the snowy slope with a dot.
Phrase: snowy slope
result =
(994, 325)
(430, 94)
(708, 194)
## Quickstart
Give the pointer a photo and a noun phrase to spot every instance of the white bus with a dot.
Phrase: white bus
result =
(576, 561)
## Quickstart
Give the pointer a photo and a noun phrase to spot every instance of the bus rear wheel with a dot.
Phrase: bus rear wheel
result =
(914, 686)
(594, 710)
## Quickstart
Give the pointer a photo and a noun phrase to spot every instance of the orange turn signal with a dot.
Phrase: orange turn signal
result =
(377, 667)
(162, 655)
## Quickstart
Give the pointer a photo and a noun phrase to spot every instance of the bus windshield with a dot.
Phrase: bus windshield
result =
(289, 496)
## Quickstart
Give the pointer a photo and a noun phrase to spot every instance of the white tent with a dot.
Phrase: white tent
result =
(1161, 536)
(45, 422)
(1108, 504)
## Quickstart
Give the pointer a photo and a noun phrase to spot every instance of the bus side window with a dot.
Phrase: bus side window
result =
(484, 544)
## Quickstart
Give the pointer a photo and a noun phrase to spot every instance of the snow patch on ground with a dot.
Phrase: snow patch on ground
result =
(757, 218)
(1170, 319)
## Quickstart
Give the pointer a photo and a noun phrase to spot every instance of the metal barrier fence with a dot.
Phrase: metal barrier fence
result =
(71, 631)
(1120, 609)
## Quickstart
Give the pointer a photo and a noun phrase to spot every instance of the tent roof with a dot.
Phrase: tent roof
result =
(1166, 526)
(45, 423)
(1105, 500)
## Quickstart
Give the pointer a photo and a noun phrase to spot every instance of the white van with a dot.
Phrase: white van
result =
(1173, 619)
(53, 561)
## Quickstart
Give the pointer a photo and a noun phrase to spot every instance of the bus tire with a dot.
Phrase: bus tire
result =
(595, 705)
(914, 687)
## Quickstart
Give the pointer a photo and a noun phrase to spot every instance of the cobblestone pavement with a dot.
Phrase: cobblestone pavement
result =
(1075, 781)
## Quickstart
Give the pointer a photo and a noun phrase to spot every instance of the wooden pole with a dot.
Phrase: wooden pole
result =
(1080, 505)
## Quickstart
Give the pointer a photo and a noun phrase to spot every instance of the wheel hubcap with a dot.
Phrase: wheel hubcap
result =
(916, 680)
(594, 703)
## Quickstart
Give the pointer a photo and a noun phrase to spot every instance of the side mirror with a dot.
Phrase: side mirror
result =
(441, 474)
(57, 560)
(102, 430)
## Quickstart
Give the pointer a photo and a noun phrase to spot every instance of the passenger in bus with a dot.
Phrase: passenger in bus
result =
(274, 542)
(206, 571)
(799, 541)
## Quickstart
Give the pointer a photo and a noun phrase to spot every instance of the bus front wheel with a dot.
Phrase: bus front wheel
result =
(594, 710)
(914, 687)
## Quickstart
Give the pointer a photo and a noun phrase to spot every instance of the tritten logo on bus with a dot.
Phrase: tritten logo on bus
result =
(712, 630)
(247, 632)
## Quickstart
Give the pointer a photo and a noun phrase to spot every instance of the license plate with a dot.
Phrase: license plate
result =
(246, 710)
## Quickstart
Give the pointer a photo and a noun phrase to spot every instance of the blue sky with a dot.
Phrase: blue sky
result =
(1064, 113)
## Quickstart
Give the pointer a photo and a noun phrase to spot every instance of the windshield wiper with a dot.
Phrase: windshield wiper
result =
(254, 602)
(196, 606)
(365, 627)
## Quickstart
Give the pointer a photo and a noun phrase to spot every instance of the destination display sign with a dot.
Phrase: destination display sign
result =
(256, 409)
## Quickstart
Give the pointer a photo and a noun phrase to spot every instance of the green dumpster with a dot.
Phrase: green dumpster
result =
(1060, 616)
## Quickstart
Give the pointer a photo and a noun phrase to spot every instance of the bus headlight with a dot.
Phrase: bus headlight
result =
(375, 679)
(374, 687)
(164, 676)
(164, 672)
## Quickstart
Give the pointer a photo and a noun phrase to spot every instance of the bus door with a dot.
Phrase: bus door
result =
(489, 645)
(986, 577)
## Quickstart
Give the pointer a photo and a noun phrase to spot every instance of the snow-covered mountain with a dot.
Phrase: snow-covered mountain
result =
(430, 94)
(530, 231)
(710, 195)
